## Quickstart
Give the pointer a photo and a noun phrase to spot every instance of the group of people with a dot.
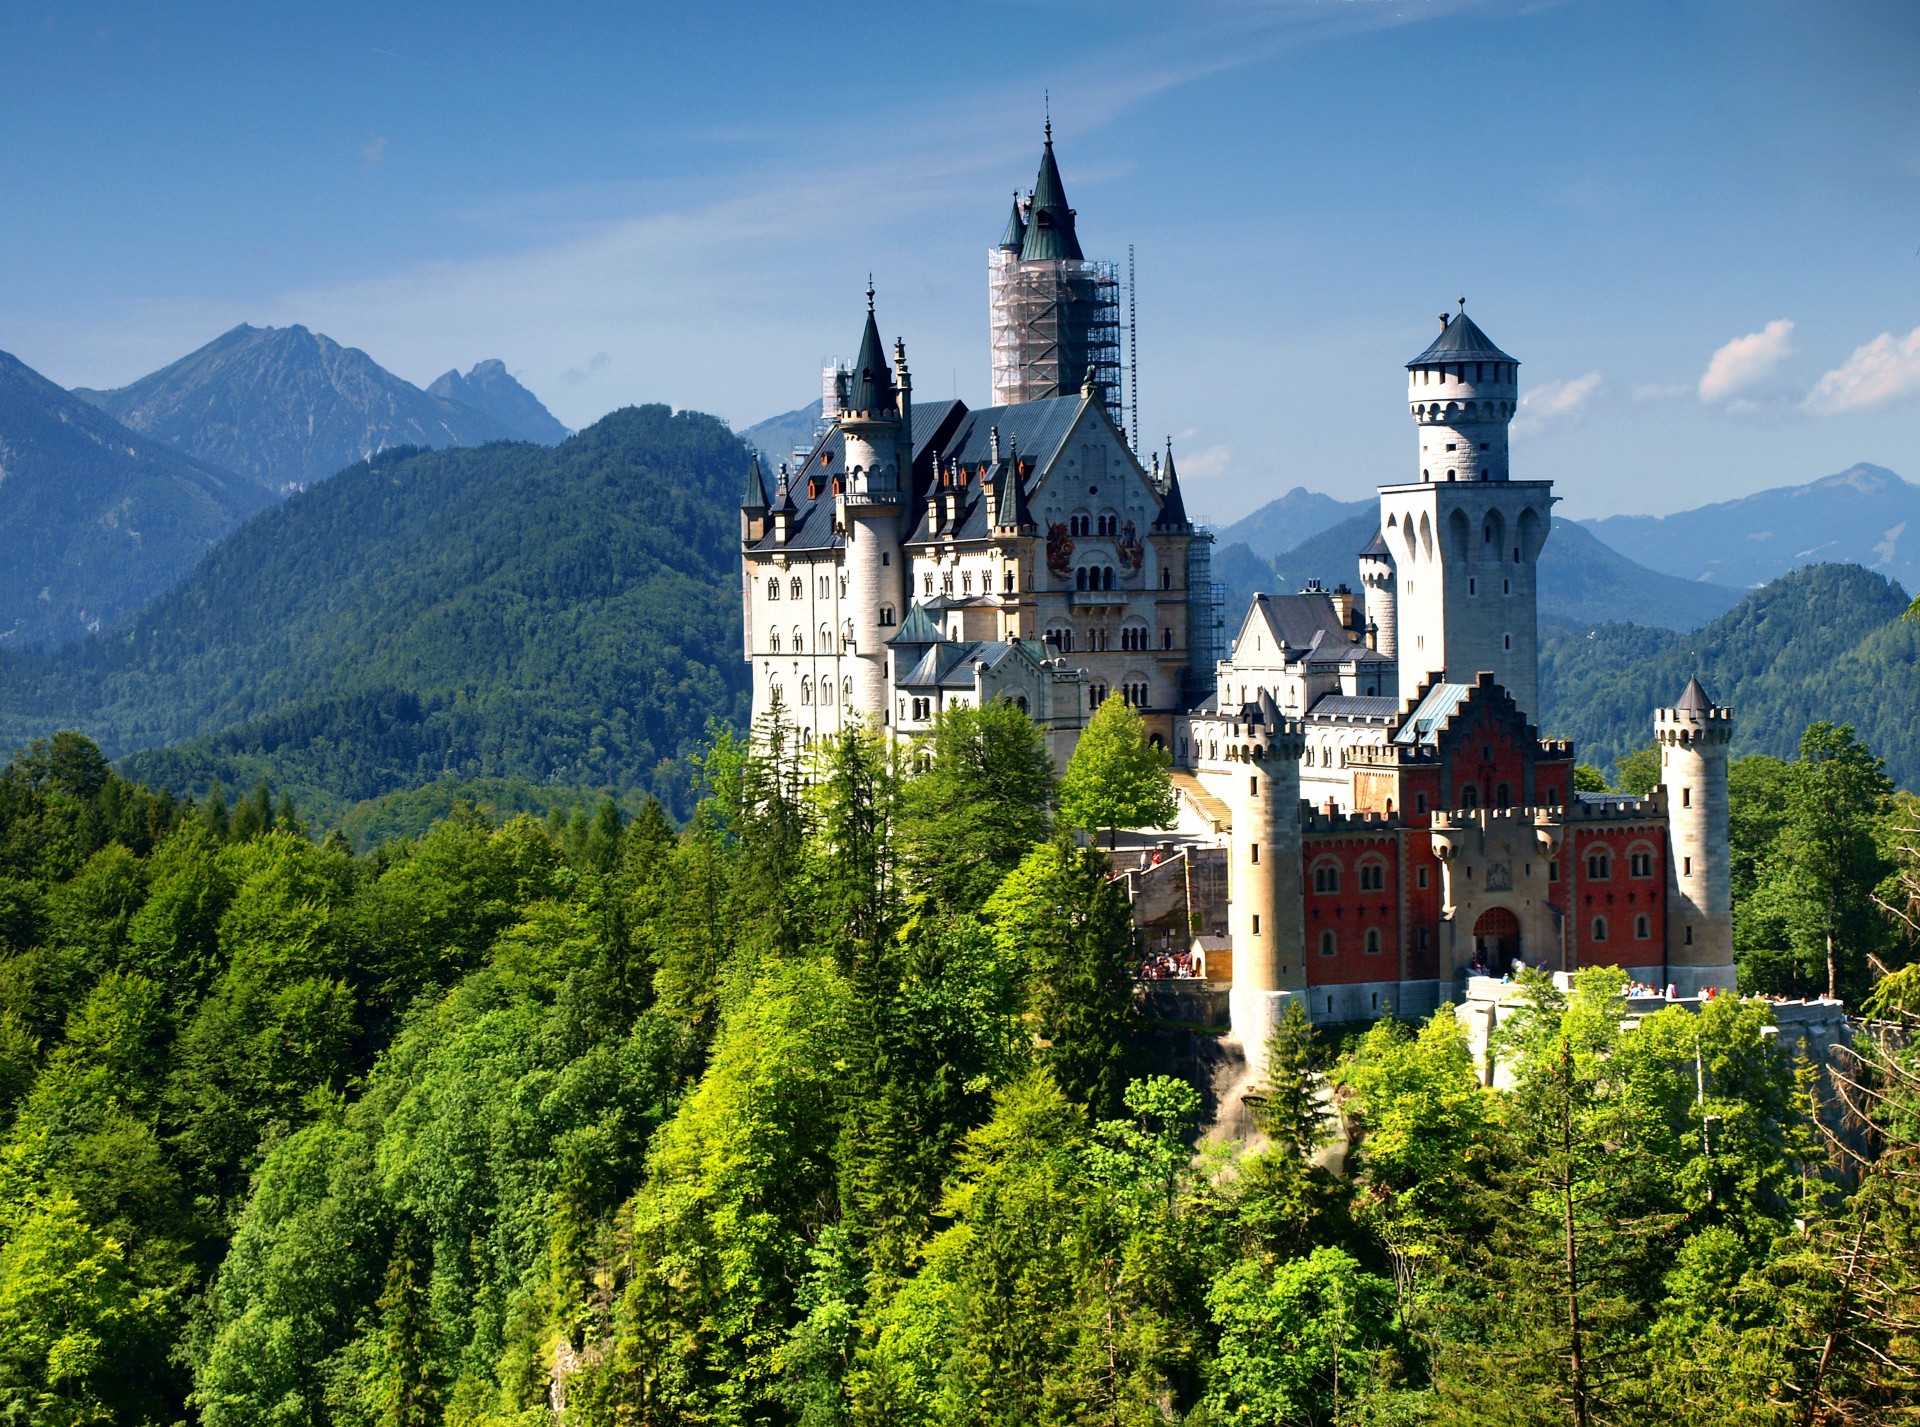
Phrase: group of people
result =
(1171, 965)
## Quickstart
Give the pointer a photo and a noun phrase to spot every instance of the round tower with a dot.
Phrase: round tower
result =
(871, 507)
(1694, 736)
(1463, 391)
(1267, 916)
(1377, 579)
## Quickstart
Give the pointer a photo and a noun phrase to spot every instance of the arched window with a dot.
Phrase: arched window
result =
(926, 582)
(1080, 578)
(826, 638)
(1373, 875)
(1639, 862)
(806, 691)
(826, 691)
(1643, 927)
(1013, 583)
(773, 587)
(1020, 702)
(1470, 796)
(1502, 796)
(1166, 578)
(1328, 946)
(798, 643)
(1326, 878)
(776, 641)
(794, 587)
(1599, 928)
(1599, 865)
(846, 691)
(1106, 579)
(886, 614)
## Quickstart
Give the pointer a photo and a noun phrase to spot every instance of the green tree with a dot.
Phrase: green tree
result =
(1588, 779)
(410, 1399)
(1637, 772)
(1116, 778)
(1292, 1106)
(982, 802)
(1059, 916)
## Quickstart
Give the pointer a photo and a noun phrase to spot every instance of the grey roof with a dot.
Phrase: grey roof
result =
(1310, 628)
(1355, 706)
(950, 665)
(1693, 699)
(917, 628)
(1016, 234)
(1460, 341)
(1037, 430)
(1049, 221)
(871, 387)
(1377, 548)
(1423, 725)
(756, 496)
(1173, 510)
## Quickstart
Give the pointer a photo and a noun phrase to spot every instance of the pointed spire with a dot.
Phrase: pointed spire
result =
(1016, 234)
(786, 505)
(1173, 510)
(756, 497)
(1049, 221)
(1693, 699)
(1012, 512)
(870, 390)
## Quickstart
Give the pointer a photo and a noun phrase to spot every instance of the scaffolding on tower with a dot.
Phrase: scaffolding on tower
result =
(1051, 320)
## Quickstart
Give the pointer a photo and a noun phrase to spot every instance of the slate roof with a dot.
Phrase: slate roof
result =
(1693, 698)
(756, 494)
(1460, 341)
(1423, 725)
(950, 665)
(1355, 706)
(1015, 236)
(917, 628)
(871, 385)
(1049, 221)
(1377, 548)
(1173, 510)
(1311, 630)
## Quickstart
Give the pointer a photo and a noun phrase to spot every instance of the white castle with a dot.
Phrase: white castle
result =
(1389, 814)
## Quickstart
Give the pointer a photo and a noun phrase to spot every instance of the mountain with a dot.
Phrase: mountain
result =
(1865, 515)
(563, 615)
(491, 390)
(1581, 579)
(288, 407)
(94, 519)
(1292, 520)
(1824, 642)
(778, 437)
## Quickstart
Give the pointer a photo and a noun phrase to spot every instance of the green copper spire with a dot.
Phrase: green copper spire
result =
(1049, 221)
(756, 497)
(1016, 235)
(871, 389)
(1012, 511)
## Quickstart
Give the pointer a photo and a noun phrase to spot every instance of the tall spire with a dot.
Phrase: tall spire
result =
(871, 389)
(1049, 221)
(1013, 512)
(755, 499)
(1173, 510)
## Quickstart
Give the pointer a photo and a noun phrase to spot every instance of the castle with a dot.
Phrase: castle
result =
(1367, 761)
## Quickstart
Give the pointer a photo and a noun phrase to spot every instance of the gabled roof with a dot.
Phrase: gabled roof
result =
(1305, 623)
(950, 665)
(1015, 236)
(1049, 221)
(1460, 341)
(871, 384)
(917, 628)
(1693, 699)
(1013, 512)
(1429, 716)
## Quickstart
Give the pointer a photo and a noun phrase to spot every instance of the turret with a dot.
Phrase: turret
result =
(1462, 391)
(1694, 736)
(753, 505)
(1376, 578)
(871, 509)
(1267, 915)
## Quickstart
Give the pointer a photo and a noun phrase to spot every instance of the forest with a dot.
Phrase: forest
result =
(834, 1104)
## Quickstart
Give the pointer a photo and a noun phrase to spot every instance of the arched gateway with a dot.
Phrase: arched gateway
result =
(1496, 938)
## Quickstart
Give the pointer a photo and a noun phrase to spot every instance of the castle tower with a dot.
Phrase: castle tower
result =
(1053, 315)
(1267, 915)
(873, 423)
(1376, 578)
(1694, 736)
(1464, 538)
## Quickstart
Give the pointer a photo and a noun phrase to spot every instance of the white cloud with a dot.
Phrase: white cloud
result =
(1555, 402)
(374, 150)
(1747, 361)
(1886, 370)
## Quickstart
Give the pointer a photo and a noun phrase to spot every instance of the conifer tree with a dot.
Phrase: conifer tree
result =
(1116, 778)
(1292, 1104)
(409, 1399)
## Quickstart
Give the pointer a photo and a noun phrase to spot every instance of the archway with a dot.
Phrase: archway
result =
(1496, 939)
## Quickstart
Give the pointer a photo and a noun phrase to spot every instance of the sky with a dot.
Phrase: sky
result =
(1695, 222)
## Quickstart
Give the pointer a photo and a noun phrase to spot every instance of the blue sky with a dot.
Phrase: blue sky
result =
(1696, 224)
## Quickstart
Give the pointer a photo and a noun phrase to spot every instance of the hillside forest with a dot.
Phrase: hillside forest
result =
(834, 1105)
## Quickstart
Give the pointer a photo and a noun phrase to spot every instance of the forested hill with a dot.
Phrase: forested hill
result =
(1825, 642)
(94, 519)
(563, 615)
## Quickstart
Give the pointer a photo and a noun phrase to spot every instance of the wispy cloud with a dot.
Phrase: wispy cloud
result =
(1884, 371)
(1555, 402)
(374, 151)
(1746, 362)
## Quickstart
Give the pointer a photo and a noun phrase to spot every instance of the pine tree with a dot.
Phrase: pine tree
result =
(1292, 1106)
(1116, 778)
(406, 1325)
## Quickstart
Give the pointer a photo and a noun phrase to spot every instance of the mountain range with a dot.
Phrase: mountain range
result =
(778, 437)
(288, 407)
(95, 520)
(491, 390)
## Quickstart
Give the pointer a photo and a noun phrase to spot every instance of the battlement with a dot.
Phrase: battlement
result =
(1618, 808)
(1488, 819)
(1685, 727)
(1317, 821)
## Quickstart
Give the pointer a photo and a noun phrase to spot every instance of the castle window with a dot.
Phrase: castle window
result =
(1686, 867)
(1373, 941)
(1328, 946)
(1642, 928)
(1599, 866)
(846, 691)
(1502, 796)
(1166, 639)
(946, 582)
(1423, 939)
(986, 582)
(1253, 789)
(806, 691)
(1373, 876)
(1640, 864)
(793, 587)
(776, 641)
(926, 583)
(1326, 878)
(1688, 939)
(1686, 797)
(1013, 583)
(1166, 579)
(1473, 587)
(1553, 871)
(1599, 928)
(885, 558)
(799, 644)
(1506, 641)
(826, 691)
(1256, 854)
(1020, 702)
(773, 588)
(1256, 924)
(843, 587)
(1420, 878)
(1449, 475)
(1506, 587)
(1080, 579)
(826, 639)
(1470, 796)
(886, 614)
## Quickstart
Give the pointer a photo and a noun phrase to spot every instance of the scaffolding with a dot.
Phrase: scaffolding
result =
(1051, 320)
